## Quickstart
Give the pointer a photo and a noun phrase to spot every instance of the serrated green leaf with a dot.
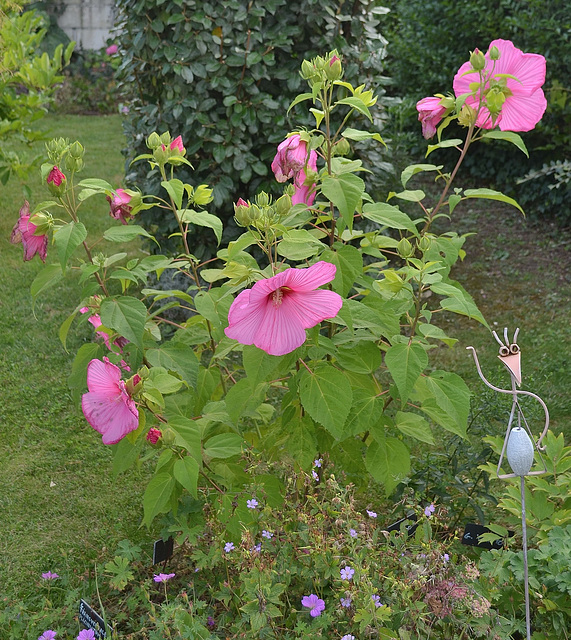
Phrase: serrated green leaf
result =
(67, 239)
(327, 396)
(365, 411)
(356, 103)
(299, 244)
(405, 363)
(362, 357)
(64, 328)
(388, 462)
(411, 424)
(358, 135)
(175, 356)
(202, 219)
(349, 263)
(187, 435)
(95, 183)
(157, 496)
(459, 301)
(224, 445)
(445, 144)
(127, 316)
(300, 98)
(186, 472)
(432, 331)
(345, 192)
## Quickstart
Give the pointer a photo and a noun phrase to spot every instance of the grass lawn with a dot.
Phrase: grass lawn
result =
(60, 507)
(62, 510)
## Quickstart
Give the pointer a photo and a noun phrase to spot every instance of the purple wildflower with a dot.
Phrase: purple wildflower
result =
(348, 637)
(252, 504)
(346, 602)
(267, 534)
(353, 533)
(446, 557)
(428, 511)
(371, 514)
(318, 462)
(86, 634)
(210, 622)
(376, 600)
(257, 547)
(316, 605)
(48, 635)
(229, 546)
(315, 476)
(50, 576)
(163, 577)
(347, 573)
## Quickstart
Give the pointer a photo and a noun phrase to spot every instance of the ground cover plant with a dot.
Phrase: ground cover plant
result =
(225, 452)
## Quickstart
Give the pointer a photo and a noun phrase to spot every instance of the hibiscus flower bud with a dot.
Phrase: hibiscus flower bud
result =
(177, 146)
(169, 436)
(121, 207)
(467, 115)
(405, 248)
(334, 71)
(202, 195)
(283, 205)
(161, 154)
(154, 435)
(424, 243)
(56, 181)
(494, 53)
(73, 164)
(495, 100)
(154, 140)
(477, 60)
(342, 147)
(166, 138)
(308, 70)
(242, 213)
(262, 199)
(43, 222)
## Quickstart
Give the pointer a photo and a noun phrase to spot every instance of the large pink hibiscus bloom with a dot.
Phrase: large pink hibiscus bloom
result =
(524, 103)
(107, 406)
(274, 313)
(24, 232)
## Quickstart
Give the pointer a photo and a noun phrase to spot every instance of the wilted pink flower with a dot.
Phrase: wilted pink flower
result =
(275, 312)
(521, 102)
(24, 232)
(153, 435)
(430, 113)
(290, 158)
(315, 604)
(163, 577)
(107, 406)
(120, 208)
(56, 177)
(112, 50)
(119, 341)
(177, 144)
(305, 193)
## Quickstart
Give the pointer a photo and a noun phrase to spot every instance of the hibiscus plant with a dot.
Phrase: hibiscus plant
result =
(310, 334)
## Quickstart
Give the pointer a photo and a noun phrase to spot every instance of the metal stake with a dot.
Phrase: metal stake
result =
(525, 570)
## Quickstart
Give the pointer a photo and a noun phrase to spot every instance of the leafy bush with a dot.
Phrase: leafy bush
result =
(222, 75)
(428, 38)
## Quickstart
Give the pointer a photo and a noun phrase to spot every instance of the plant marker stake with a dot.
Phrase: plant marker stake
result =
(518, 445)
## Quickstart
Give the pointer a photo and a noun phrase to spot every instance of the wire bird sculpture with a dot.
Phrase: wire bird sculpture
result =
(519, 446)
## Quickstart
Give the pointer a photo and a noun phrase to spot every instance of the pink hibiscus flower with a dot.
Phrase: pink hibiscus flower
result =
(24, 232)
(274, 314)
(177, 144)
(107, 406)
(522, 101)
(430, 113)
(305, 193)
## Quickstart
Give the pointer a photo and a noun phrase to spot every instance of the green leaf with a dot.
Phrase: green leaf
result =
(125, 455)
(362, 357)
(490, 194)
(411, 424)
(356, 103)
(413, 169)
(365, 411)
(127, 316)
(95, 183)
(327, 396)
(388, 462)
(458, 301)
(202, 219)
(349, 263)
(126, 233)
(186, 472)
(157, 496)
(64, 329)
(46, 278)
(177, 357)
(67, 239)
(299, 244)
(510, 136)
(388, 216)
(175, 189)
(405, 363)
(187, 435)
(453, 201)
(163, 381)
(432, 331)
(358, 135)
(445, 397)
(300, 98)
(300, 442)
(409, 196)
(224, 445)
(443, 145)
(345, 192)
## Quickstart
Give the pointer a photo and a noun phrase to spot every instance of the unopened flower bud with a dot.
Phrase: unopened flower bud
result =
(242, 213)
(56, 181)
(154, 435)
(202, 195)
(161, 154)
(166, 138)
(134, 385)
(169, 436)
(467, 116)
(262, 199)
(342, 147)
(43, 222)
(424, 243)
(307, 70)
(495, 100)
(335, 70)
(154, 140)
(283, 205)
(405, 248)
(477, 60)
(73, 164)
(494, 53)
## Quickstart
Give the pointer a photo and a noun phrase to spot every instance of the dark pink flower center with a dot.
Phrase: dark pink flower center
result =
(278, 295)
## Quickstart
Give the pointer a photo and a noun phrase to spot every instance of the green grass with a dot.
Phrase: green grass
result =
(61, 509)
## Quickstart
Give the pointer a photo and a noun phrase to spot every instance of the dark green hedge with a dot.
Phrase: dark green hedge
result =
(222, 74)
(429, 39)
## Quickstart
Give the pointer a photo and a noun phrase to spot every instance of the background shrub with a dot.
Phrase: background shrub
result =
(222, 74)
(428, 38)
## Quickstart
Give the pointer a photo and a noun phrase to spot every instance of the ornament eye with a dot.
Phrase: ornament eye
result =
(504, 351)
(514, 349)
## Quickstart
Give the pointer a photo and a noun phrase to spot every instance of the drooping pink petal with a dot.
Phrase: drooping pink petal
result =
(103, 377)
(113, 417)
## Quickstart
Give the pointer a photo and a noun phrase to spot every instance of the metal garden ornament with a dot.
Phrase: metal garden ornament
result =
(519, 446)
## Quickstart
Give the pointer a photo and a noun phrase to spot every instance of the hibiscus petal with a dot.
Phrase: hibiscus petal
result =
(35, 244)
(312, 307)
(309, 279)
(528, 68)
(522, 113)
(103, 378)
(245, 318)
(281, 331)
(113, 418)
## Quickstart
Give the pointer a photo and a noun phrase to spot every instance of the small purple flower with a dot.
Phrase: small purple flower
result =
(353, 533)
(50, 576)
(347, 573)
(428, 511)
(252, 504)
(210, 622)
(346, 602)
(376, 600)
(315, 604)
(86, 634)
(163, 577)
(318, 462)
(348, 637)
(48, 635)
(229, 546)
(315, 476)
(267, 534)
(446, 557)
(257, 547)
(371, 514)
